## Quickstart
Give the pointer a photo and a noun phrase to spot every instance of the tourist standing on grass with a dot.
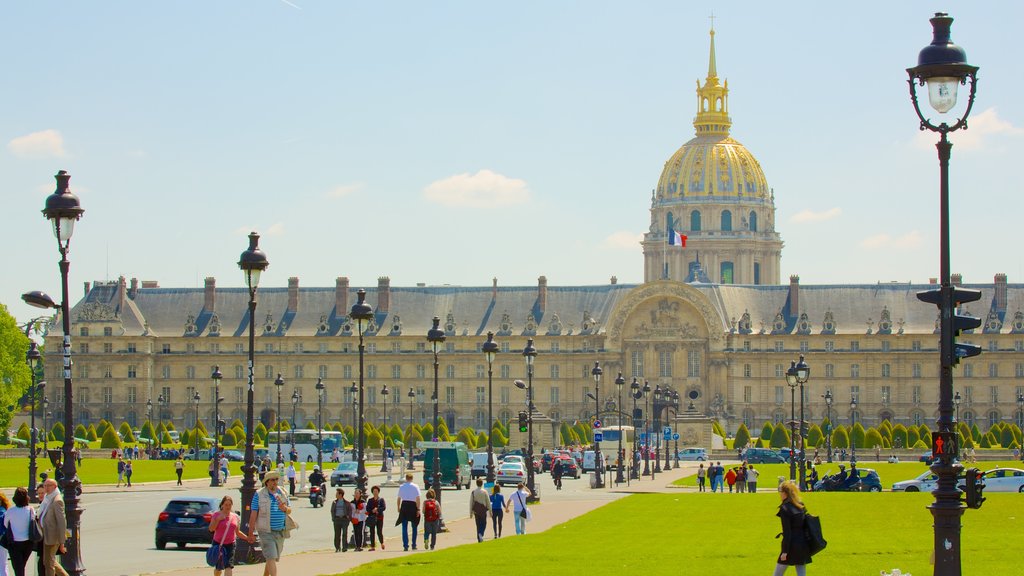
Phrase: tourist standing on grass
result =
(794, 543)
(701, 476)
(752, 479)
(431, 521)
(479, 504)
(179, 467)
(269, 508)
(375, 508)
(16, 521)
(497, 509)
(518, 502)
(730, 478)
(225, 528)
(720, 476)
(341, 515)
(741, 479)
(358, 519)
(409, 510)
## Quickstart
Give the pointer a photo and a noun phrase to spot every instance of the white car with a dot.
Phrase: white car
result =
(1004, 480)
(926, 482)
(510, 473)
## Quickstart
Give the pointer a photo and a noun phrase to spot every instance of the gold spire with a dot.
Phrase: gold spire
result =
(712, 101)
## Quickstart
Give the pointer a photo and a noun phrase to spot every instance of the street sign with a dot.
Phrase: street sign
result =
(597, 424)
(667, 436)
(643, 436)
(666, 430)
(944, 444)
(598, 436)
(675, 436)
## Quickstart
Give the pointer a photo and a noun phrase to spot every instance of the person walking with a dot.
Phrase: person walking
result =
(290, 474)
(120, 471)
(38, 548)
(408, 510)
(179, 468)
(358, 519)
(479, 504)
(5, 505)
(128, 473)
(702, 473)
(741, 479)
(720, 476)
(225, 528)
(224, 470)
(431, 521)
(518, 502)
(269, 508)
(375, 508)
(794, 544)
(16, 521)
(752, 478)
(730, 478)
(341, 515)
(54, 527)
(497, 509)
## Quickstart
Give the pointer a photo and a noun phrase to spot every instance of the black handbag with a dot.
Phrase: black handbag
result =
(35, 535)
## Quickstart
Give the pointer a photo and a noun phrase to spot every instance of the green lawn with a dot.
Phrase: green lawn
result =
(689, 533)
(14, 471)
(887, 473)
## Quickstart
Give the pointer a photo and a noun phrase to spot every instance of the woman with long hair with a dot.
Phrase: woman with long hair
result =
(358, 519)
(225, 528)
(17, 521)
(794, 543)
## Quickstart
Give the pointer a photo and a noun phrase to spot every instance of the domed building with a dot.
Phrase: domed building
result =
(713, 192)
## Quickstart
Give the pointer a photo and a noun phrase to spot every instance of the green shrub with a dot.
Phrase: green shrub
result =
(90, 434)
(920, 445)
(165, 439)
(912, 436)
(780, 437)
(814, 436)
(1006, 438)
(481, 439)
(742, 437)
(840, 439)
(148, 431)
(899, 436)
(766, 431)
(874, 438)
(717, 428)
(857, 436)
(110, 440)
(467, 437)
(23, 432)
(230, 438)
(58, 431)
(126, 432)
(81, 432)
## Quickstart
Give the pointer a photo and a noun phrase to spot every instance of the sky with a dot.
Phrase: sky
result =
(456, 142)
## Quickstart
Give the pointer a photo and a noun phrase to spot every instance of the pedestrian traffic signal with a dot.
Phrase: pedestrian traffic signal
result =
(961, 322)
(974, 487)
(523, 427)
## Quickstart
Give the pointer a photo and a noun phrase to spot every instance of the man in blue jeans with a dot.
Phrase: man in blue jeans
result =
(409, 510)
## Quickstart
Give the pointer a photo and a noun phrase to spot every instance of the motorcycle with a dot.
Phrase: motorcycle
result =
(316, 495)
(834, 483)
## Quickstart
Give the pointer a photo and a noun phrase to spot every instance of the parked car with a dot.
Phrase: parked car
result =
(693, 454)
(925, 482)
(1004, 480)
(234, 456)
(345, 473)
(510, 473)
(763, 456)
(184, 521)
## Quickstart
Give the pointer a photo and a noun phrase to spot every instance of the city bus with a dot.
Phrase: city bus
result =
(305, 440)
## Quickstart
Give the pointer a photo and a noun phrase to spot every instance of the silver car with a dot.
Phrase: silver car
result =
(345, 473)
(510, 473)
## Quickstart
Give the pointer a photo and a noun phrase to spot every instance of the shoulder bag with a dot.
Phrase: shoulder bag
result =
(812, 532)
(35, 533)
(215, 553)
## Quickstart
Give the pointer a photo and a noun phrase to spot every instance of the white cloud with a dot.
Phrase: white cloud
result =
(979, 127)
(908, 241)
(485, 189)
(345, 189)
(43, 144)
(812, 216)
(623, 240)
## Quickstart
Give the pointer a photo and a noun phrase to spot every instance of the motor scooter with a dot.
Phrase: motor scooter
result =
(316, 495)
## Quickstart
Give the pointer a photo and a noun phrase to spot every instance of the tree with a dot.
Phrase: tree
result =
(840, 439)
(80, 432)
(481, 440)
(912, 436)
(742, 437)
(874, 438)
(780, 436)
(260, 431)
(717, 429)
(500, 441)
(374, 439)
(237, 423)
(165, 438)
(57, 431)
(814, 436)
(767, 430)
(975, 432)
(110, 440)
(90, 434)
(899, 436)
(311, 425)
(15, 375)
(858, 434)
(126, 432)
(467, 437)
(1006, 438)
(427, 430)
(230, 438)
(23, 432)
(147, 431)
(415, 438)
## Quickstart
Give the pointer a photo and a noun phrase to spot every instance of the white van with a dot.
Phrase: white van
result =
(478, 462)
(589, 463)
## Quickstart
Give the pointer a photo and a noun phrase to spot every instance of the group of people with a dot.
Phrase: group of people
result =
(22, 524)
(743, 477)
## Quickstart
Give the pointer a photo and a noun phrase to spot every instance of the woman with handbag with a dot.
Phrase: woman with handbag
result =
(16, 538)
(518, 502)
(794, 544)
(358, 519)
(375, 508)
(225, 528)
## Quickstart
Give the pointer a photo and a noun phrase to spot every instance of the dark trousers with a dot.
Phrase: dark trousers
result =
(178, 472)
(700, 483)
(496, 517)
(291, 486)
(357, 533)
(341, 533)
(19, 553)
(481, 526)
(376, 527)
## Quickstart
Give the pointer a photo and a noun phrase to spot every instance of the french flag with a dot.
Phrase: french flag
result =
(676, 239)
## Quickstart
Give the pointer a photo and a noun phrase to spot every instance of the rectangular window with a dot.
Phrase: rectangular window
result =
(481, 372)
(190, 348)
(554, 371)
(993, 392)
(371, 371)
(1018, 370)
(132, 371)
(83, 331)
(916, 395)
(968, 370)
(804, 346)
(779, 347)
(993, 370)
(83, 348)
(636, 359)
(968, 394)
(693, 363)
(779, 398)
(132, 394)
(554, 347)
(993, 346)
(214, 348)
(239, 349)
(108, 331)
(779, 371)
(748, 394)
(268, 372)
(165, 348)
(165, 391)
(371, 348)
(108, 395)
(854, 370)
(449, 347)
(830, 346)
(300, 372)
(449, 371)
(321, 371)
(855, 393)
(915, 345)
(554, 394)
(396, 371)
(1018, 345)
(915, 371)
(396, 347)
(131, 348)
(371, 394)
(746, 345)
(885, 346)
(421, 371)
(449, 394)
(107, 372)
(830, 370)
(506, 372)
(108, 348)
(886, 394)
(746, 371)
(83, 371)
(239, 372)
(481, 395)
(855, 346)
(322, 347)
(346, 371)
(421, 347)
(506, 395)
(165, 372)
(665, 364)
(504, 348)
(885, 370)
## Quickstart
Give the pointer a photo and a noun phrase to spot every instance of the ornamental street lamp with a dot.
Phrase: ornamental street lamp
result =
(828, 429)
(675, 435)
(801, 372)
(411, 395)
(296, 398)
(279, 384)
(436, 337)
(656, 430)
(63, 209)
(596, 372)
(216, 377)
(32, 358)
(956, 402)
(362, 313)
(792, 382)
(149, 417)
(1020, 416)
(647, 429)
(490, 349)
(354, 393)
(252, 262)
(667, 396)
(619, 383)
(195, 429)
(320, 423)
(943, 66)
(163, 403)
(635, 392)
(384, 444)
(530, 354)
(46, 432)
(853, 423)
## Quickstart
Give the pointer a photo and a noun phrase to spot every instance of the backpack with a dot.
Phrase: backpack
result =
(430, 511)
(812, 532)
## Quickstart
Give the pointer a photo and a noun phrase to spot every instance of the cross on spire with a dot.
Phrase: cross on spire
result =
(712, 18)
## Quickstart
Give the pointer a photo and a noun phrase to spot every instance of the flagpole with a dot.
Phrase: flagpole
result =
(664, 257)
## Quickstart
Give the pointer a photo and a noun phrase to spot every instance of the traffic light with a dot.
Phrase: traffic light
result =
(975, 484)
(522, 422)
(961, 322)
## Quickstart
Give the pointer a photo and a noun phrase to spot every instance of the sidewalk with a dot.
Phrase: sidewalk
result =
(461, 528)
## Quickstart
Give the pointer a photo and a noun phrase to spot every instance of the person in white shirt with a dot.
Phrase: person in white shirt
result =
(518, 502)
(409, 500)
(752, 479)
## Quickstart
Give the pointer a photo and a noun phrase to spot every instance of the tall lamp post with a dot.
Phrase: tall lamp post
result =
(647, 428)
(195, 429)
(668, 405)
(656, 430)
(853, 423)
(412, 396)
(675, 435)
(619, 383)
(354, 393)
(792, 382)
(149, 417)
(828, 429)
(216, 377)
(943, 66)
(279, 385)
(956, 402)
(596, 372)
(296, 398)
(801, 372)
(384, 443)
(1020, 416)
(362, 313)
(530, 354)
(320, 423)
(490, 349)
(436, 337)
(32, 358)
(63, 209)
(635, 392)
(252, 262)
(46, 432)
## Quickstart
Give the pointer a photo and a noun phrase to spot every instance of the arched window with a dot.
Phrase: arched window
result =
(916, 418)
(778, 416)
(993, 417)
(757, 272)
(718, 104)
(753, 221)
(695, 221)
(726, 270)
(726, 221)
(748, 417)
(969, 418)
